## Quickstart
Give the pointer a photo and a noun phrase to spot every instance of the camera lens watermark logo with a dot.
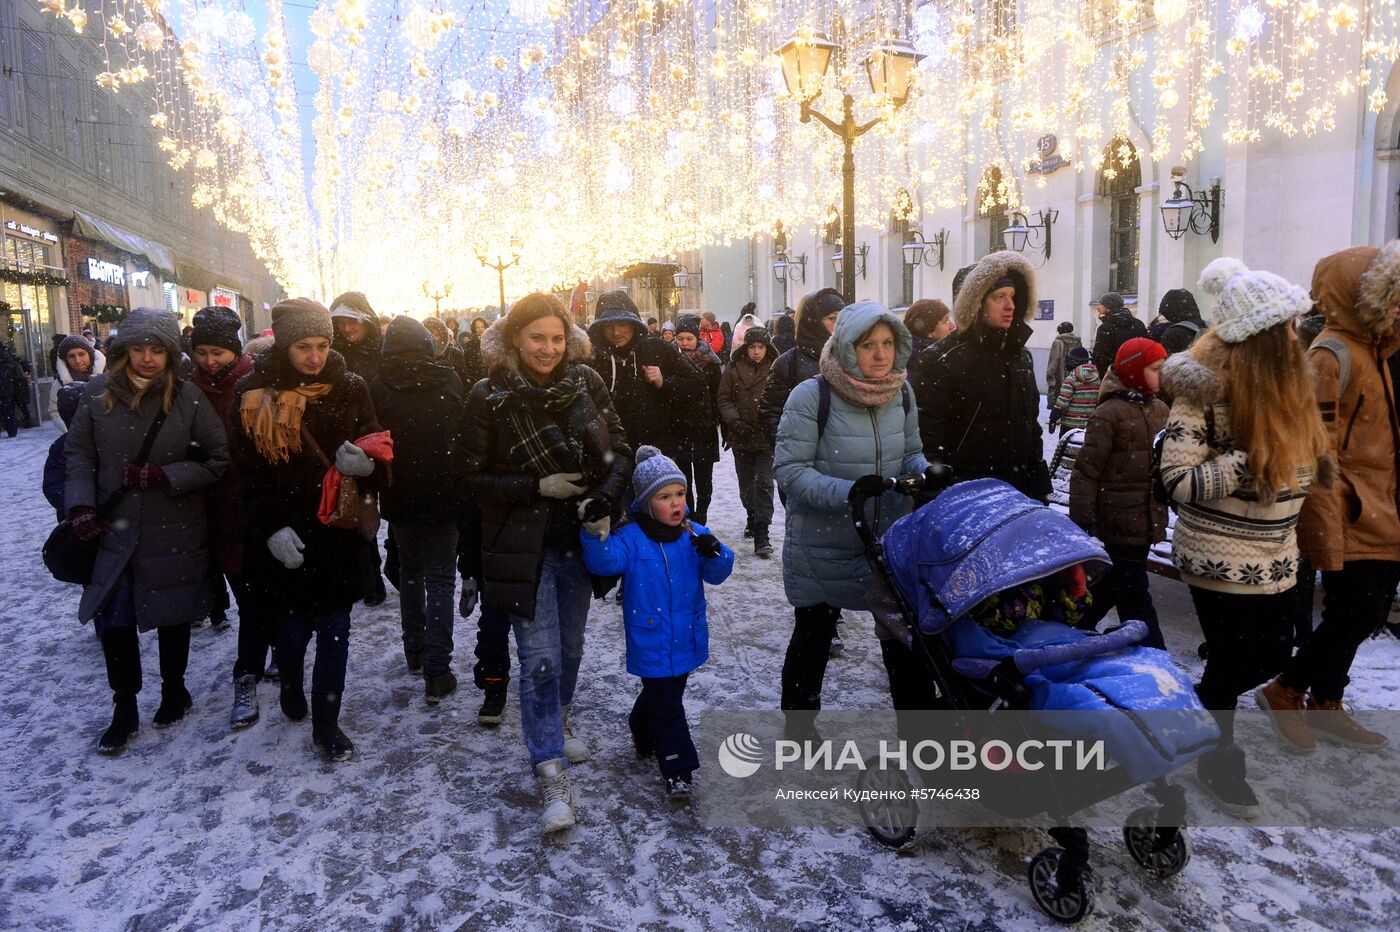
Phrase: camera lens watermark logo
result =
(740, 755)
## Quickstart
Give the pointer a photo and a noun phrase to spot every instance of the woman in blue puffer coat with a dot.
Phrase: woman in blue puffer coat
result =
(871, 427)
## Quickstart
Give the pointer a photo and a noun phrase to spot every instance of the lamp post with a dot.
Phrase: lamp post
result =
(806, 58)
(437, 296)
(500, 265)
(1197, 211)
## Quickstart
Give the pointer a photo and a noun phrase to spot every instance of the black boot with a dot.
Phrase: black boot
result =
(325, 714)
(291, 694)
(748, 529)
(125, 725)
(493, 707)
(175, 700)
(761, 545)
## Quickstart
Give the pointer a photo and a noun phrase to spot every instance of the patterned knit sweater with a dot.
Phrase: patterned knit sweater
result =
(1225, 539)
(1079, 396)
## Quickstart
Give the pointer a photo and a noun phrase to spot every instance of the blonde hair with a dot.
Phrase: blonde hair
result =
(120, 368)
(1273, 410)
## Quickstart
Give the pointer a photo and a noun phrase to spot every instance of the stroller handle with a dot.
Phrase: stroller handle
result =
(931, 481)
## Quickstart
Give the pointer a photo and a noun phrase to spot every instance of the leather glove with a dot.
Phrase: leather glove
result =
(561, 485)
(466, 602)
(286, 546)
(352, 461)
(85, 525)
(938, 476)
(869, 486)
(596, 515)
(707, 545)
(1054, 418)
(144, 478)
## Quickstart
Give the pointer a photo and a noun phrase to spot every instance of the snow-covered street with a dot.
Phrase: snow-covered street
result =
(433, 825)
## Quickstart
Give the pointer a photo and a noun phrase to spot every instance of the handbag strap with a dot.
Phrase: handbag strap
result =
(147, 442)
(315, 447)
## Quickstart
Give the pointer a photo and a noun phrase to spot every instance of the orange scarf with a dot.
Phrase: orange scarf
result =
(273, 418)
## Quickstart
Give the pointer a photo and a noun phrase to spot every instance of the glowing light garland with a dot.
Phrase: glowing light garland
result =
(604, 134)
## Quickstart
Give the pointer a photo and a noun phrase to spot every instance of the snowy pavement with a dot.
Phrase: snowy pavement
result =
(433, 825)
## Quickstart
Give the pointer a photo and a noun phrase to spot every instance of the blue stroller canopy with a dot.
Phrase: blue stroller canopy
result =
(976, 539)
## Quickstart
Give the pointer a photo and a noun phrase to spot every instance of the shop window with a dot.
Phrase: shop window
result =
(71, 116)
(903, 295)
(1119, 179)
(36, 87)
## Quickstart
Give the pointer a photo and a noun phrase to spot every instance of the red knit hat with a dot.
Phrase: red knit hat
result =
(1134, 356)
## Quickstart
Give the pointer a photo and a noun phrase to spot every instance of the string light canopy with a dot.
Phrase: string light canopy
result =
(599, 135)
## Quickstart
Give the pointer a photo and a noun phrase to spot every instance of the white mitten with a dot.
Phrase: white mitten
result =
(286, 546)
(561, 485)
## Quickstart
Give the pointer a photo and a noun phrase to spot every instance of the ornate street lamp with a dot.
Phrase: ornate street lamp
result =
(1189, 210)
(437, 296)
(806, 57)
(1022, 232)
(681, 277)
(500, 265)
(919, 250)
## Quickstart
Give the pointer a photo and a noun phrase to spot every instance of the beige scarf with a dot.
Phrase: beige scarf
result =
(273, 418)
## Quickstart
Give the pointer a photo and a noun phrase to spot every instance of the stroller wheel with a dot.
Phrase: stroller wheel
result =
(1066, 906)
(1161, 852)
(891, 822)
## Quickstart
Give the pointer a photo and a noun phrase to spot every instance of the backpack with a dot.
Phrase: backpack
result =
(1339, 349)
(1159, 488)
(824, 403)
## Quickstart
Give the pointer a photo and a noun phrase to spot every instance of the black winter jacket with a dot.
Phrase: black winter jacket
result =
(288, 494)
(420, 402)
(795, 366)
(1115, 329)
(978, 407)
(701, 419)
(648, 414)
(517, 523)
(361, 358)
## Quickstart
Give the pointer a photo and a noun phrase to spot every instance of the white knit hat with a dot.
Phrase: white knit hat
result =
(1249, 302)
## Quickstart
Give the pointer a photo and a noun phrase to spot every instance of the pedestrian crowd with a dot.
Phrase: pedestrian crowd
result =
(528, 466)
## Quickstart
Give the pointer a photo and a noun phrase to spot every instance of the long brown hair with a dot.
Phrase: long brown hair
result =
(1273, 410)
(121, 368)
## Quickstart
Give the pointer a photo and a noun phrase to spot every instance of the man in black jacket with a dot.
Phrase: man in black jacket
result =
(1117, 326)
(977, 398)
(1184, 320)
(651, 386)
(357, 334)
(815, 319)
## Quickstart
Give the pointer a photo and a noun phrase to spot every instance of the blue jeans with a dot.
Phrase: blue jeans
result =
(550, 646)
(332, 631)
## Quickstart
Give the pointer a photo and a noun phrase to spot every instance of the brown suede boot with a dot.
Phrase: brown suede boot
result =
(1331, 720)
(1285, 708)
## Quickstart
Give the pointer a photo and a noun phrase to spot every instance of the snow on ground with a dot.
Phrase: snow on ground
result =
(433, 824)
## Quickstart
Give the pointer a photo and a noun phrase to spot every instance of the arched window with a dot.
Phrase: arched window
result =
(991, 207)
(1119, 179)
(901, 295)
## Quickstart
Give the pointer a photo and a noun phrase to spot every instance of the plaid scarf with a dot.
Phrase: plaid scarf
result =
(546, 423)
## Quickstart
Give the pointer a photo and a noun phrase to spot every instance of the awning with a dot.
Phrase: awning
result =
(159, 256)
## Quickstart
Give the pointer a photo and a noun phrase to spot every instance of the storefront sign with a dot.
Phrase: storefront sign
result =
(140, 279)
(108, 272)
(225, 297)
(17, 227)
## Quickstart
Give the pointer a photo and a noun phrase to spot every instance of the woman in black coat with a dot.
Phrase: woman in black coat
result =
(299, 399)
(545, 455)
(815, 319)
(153, 550)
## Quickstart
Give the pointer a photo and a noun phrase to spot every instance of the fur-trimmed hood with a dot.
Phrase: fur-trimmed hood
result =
(496, 349)
(967, 308)
(1356, 288)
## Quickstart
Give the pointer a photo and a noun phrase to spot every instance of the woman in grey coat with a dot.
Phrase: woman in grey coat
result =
(152, 550)
(872, 427)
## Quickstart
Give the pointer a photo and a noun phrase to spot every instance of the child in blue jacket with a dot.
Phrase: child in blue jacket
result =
(663, 560)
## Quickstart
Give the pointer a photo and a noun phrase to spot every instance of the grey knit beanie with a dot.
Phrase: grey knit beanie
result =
(152, 325)
(654, 471)
(298, 318)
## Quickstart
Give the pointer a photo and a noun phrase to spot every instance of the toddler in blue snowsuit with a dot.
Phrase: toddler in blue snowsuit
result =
(664, 561)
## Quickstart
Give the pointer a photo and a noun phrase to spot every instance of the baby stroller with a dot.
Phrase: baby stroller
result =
(974, 540)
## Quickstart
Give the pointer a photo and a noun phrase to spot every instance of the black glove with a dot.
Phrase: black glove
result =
(1054, 417)
(595, 509)
(707, 545)
(937, 477)
(869, 486)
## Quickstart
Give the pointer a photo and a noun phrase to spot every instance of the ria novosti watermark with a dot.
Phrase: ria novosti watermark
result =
(765, 769)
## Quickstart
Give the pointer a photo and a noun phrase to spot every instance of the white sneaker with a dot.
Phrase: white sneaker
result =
(558, 799)
(575, 748)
